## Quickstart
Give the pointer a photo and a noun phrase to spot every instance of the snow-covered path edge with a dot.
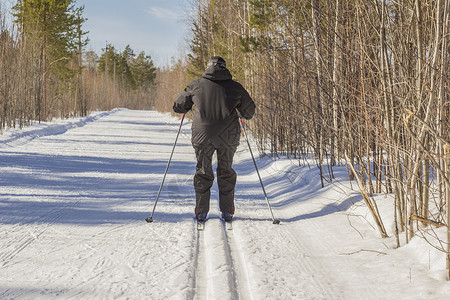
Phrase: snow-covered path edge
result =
(73, 201)
(14, 137)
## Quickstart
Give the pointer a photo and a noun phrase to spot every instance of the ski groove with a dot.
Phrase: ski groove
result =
(232, 278)
(240, 270)
(201, 290)
(221, 269)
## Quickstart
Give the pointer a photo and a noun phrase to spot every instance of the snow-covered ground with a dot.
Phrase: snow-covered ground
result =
(74, 195)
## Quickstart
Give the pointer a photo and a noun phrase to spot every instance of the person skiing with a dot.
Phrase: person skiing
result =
(218, 103)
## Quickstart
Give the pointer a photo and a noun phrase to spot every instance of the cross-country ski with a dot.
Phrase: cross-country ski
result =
(201, 225)
(228, 224)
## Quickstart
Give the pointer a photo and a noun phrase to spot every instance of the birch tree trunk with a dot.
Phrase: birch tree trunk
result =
(335, 101)
(315, 4)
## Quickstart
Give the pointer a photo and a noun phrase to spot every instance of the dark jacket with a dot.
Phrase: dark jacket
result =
(218, 99)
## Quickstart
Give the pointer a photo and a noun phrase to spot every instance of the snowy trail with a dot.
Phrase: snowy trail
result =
(216, 279)
(221, 265)
(75, 193)
(73, 202)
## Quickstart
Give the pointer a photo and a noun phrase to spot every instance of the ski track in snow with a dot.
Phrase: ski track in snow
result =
(220, 263)
(75, 194)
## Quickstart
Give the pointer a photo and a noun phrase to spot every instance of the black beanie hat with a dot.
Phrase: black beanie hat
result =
(217, 60)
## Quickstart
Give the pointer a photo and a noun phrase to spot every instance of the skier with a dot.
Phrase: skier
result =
(218, 103)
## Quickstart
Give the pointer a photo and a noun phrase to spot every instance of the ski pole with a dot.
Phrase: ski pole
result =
(150, 219)
(275, 221)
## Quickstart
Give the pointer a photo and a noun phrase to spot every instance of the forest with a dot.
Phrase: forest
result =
(360, 83)
(47, 73)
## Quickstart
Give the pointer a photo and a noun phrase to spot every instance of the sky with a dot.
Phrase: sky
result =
(157, 27)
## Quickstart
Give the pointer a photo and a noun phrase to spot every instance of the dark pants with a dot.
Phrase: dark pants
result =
(204, 177)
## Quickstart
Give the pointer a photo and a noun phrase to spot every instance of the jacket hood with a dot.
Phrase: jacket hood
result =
(217, 73)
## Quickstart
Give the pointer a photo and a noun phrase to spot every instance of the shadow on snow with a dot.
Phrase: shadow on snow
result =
(90, 190)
